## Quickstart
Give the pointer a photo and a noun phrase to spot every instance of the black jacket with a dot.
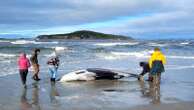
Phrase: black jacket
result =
(146, 68)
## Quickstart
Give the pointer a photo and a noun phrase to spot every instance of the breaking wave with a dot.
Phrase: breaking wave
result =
(7, 55)
(122, 55)
(176, 67)
(4, 41)
(181, 57)
(116, 44)
(157, 44)
(31, 42)
(140, 54)
(185, 43)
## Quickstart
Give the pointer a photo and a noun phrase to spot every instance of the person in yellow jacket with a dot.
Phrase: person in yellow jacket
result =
(156, 64)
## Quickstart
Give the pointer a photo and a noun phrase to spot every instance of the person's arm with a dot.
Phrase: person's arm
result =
(58, 61)
(164, 60)
(18, 62)
(50, 61)
(32, 59)
(150, 62)
(152, 58)
(143, 71)
(28, 63)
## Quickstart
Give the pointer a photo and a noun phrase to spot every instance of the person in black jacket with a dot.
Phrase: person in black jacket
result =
(146, 69)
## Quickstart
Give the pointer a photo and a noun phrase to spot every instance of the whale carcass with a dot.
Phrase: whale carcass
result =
(95, 74)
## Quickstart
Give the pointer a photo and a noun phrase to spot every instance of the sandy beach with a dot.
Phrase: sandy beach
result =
(92, 95)
(175, 91)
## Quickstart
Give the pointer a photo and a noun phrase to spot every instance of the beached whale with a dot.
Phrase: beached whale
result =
(95, 74)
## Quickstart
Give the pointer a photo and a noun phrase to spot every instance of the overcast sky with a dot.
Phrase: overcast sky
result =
(137, 18)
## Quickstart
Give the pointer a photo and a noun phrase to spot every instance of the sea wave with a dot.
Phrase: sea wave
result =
(137, 54)
(32, 42)
(23, 42)
(181, 57)
(60, 48)
(185, 43)
(4, 41)
(123, 55)
(116, 44)
(4, 56)
(109, 56)
(7, 55)
(158, 44)
(177, 67)
(141, 54)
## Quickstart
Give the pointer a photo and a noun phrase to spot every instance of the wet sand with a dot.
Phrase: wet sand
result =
(174, 106)
(93, 95)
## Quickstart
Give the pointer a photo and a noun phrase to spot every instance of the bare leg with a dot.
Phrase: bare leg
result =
(36, 71)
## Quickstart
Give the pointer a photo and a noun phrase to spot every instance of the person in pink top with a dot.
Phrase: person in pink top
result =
(23, 64)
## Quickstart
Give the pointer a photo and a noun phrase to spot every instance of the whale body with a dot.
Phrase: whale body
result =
(93, 74)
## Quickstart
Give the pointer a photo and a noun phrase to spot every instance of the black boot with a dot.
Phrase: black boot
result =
(52, 79)
(37, 78)
(34, 77)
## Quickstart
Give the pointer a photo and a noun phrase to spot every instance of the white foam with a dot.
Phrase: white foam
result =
(185, 43)
(110, 56)
(51, 55)
(75, 97)
(176, 67)
(31, 42)
(4, 41)
(142, 54)
(23, 42)
(60, 48)
(54, 42)
(181, 57)
(123, 55)
(116, 44)
(7, 55)
(157, 44)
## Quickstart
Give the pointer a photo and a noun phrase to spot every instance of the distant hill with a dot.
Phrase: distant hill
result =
(87, 35)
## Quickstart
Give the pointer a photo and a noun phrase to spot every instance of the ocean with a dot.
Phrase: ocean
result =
(120, 55)
(177, 81)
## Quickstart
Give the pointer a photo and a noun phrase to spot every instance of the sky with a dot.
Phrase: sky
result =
(141, 19)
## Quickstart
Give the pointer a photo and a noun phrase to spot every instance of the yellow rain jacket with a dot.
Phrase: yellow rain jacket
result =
(157, 55)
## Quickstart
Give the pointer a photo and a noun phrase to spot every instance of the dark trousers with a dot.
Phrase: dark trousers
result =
(156, 79)
(23, 75)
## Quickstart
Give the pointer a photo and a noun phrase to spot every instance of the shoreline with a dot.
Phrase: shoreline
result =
(172, 106)
(46, 96)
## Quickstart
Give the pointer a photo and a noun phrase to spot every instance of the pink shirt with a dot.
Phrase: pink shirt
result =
(23, 62)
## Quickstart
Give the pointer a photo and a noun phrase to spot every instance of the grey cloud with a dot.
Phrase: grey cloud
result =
(163, 24)
(165, 15)
(56, 12)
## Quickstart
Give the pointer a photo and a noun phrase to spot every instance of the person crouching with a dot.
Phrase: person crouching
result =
(145, 70)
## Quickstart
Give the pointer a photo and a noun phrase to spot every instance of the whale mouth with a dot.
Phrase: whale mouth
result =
(113, 90)
(80, 72)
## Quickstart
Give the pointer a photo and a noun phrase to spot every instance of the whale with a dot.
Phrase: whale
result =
(95, 74)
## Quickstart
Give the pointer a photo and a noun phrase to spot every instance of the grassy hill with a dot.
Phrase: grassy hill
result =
(84, 35)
